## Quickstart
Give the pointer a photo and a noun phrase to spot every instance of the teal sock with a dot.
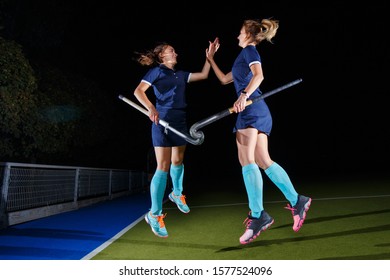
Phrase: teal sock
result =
(177, 173)
(157, 191)
(280, 178)
(254, 188)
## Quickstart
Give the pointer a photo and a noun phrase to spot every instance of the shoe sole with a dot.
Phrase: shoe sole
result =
(301, 221)
(171, 199)
(267, 226)
(155, 233)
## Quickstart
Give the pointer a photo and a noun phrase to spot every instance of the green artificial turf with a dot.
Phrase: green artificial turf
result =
(348, 220)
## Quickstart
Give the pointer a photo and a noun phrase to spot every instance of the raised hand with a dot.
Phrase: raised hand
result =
(212, 49)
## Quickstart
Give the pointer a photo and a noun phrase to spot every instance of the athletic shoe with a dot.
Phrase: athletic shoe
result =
(254, 226)
(180, 202)
(299, 211)
(157, 224)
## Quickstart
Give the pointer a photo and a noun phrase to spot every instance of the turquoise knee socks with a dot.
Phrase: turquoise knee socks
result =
(280, 178)
(157, 191)
(177, 173)
(254, 188)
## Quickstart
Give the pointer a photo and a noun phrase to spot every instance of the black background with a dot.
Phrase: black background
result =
(334, 123)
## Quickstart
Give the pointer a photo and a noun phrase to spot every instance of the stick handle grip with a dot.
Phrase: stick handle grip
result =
(248, 102)
(133, 104)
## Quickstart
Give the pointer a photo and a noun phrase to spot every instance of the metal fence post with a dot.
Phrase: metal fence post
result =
(76, 185)
(4, 194)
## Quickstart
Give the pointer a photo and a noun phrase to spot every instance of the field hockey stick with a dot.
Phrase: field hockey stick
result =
(165, 124)
(199, 134)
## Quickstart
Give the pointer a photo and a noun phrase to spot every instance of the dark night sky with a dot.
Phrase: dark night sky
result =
(334, 122)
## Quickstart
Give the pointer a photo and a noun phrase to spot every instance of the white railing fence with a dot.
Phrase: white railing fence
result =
(32, 191)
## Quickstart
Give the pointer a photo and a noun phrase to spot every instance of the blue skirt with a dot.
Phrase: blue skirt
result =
(256, 115)
(162, 137)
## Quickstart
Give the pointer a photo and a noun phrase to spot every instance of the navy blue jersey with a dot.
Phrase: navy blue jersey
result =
(256, 115)
(169, 88)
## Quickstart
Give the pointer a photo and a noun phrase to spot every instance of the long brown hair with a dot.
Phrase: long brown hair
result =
(152, 57)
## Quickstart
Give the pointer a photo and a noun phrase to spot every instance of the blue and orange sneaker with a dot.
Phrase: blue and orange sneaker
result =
(157, 224)
(180, 202)
(254, 226)
(299, 211)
